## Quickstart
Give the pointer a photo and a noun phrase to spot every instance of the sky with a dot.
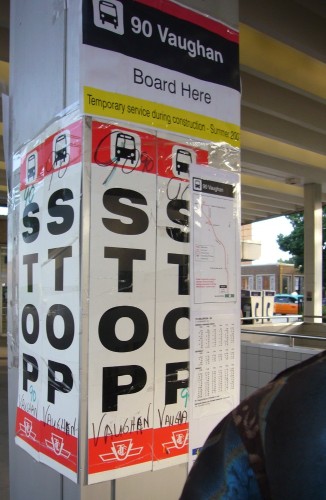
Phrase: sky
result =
(266, 232)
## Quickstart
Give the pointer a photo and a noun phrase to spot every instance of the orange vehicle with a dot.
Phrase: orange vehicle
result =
(285, 303)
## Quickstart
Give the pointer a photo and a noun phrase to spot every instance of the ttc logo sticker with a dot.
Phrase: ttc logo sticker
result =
(57, 445)
(121, 450)
(109, 15)
(27, 429)
(179, 439)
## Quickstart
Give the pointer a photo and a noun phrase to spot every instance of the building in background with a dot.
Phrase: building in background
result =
(281, 278)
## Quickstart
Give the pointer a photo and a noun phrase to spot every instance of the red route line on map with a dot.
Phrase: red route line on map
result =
(209, 221)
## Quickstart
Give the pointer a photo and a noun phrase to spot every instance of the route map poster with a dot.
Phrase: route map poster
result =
(47, 421)
(214, 233)
(215, 319)
(159, 64)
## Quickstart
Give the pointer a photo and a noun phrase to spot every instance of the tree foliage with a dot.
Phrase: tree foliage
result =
(294, 242)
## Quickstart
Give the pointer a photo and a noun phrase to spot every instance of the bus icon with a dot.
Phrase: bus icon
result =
(125, 147)
(197, 184)
(61, 150)
(183, 158)
(31, 167)
(108, 14)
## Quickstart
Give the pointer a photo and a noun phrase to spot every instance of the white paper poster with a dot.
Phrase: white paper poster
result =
(121, 302)
(215, 253)
(215, 292)
(47, 423)
(171, 403)
(159, 64)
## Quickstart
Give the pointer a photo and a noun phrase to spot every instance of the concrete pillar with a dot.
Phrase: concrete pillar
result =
(44, 65)
(313, 256)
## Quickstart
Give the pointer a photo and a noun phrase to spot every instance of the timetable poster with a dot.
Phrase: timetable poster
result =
(215, 318)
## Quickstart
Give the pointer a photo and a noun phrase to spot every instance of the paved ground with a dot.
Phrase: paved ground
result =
(4, 452)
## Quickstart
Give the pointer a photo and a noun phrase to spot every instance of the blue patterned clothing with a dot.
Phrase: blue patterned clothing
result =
(272, 446)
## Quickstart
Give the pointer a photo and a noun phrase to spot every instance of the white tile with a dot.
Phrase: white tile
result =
(291, 362)
(266, 351)
(252, 350)
(253, 378)
(250, 390)
(279, 364)
(266, 364)
(264, 378)
(279, 353)
(294, 355)
(252, 361)
(307, 356)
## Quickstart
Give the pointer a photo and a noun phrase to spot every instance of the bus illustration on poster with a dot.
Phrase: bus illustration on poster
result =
(61, 149)
(108, 15)
(32, 167)
(182, 159)
(125, 148)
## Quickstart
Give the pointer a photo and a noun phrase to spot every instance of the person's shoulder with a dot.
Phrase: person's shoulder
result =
(259, 401)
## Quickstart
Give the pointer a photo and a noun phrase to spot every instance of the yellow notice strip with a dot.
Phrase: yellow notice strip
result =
(160, 116)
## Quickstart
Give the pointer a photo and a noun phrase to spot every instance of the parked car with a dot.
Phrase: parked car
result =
(284, 303)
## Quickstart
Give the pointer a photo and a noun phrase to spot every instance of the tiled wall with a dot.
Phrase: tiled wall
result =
(261, 362)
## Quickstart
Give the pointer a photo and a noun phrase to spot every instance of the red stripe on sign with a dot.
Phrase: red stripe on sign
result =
(109, 453)
(59, 446)
(53, 156)
(195, 18)
(175, 158)
(28, 429)
(171, 441)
